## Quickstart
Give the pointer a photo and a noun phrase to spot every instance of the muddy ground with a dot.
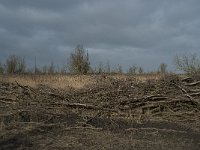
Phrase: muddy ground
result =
(110, 114)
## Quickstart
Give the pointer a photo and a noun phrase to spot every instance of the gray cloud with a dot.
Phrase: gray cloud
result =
(127, 32)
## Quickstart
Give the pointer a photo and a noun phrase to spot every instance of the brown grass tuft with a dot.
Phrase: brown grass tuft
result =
(53, 81)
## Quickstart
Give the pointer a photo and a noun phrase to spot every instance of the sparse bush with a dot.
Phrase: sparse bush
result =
(132, 70)
(189, 64)
(44, 69)
(140, 70)
(103, 68)
(51, 69)
(108, 70)
(1, 68)
(135, 70)
(119, 69)
(100, 68)
(15, 64)
(63, 70)
(38, 70)
(162, 68)
(79, 61)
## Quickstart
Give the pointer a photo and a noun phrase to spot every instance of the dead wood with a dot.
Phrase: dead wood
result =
(155, 130)
(27, 89)
(6, 102)
(83, 128)
(194, 90)
(189, 96)
(193, 84)
(7, 98)
(96, 116)
(49, 109)
(83, 106)
(186, 79)
(56, 95)
(195, 94)
(23, 87)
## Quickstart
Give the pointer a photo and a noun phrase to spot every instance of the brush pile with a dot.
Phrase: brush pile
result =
(170, 104)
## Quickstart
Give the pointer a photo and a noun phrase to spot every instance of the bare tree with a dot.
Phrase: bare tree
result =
(100, 68)
(190, 64)
(132, 69)
(63, 70)
(119, 69)
(79, 61)
(1, 68)
(44, 69)
(140, 70)
(108, 67)
(51, 69)
(15, 64)
(162, 68)
(21, 65)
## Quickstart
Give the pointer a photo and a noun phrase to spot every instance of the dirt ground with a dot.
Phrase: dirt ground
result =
(107, 113)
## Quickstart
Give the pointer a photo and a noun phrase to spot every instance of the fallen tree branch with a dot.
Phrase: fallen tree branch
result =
(186, 93)
(26, 88)
(84, 106)
(23, 87)
(193, 84)
(1, 101)
(195, 94)
(97, 115)
(8, 99)
(186, 79)
(194, 90)
(56, 95)
(154, 129)
(190, 97)
(84, 128)
(145, 99)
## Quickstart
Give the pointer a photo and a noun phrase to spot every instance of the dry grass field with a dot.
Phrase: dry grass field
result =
(54, 81)
(99, 112)
(68, 81)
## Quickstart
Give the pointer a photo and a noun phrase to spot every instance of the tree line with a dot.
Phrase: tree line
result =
(79, 63)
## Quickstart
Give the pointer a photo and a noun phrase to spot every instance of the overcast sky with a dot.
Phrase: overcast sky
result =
(126, 32)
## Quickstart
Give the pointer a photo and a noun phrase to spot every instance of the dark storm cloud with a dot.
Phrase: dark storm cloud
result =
(122, 32)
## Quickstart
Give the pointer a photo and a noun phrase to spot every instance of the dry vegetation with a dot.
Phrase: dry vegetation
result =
(99, 112)
(53, 81)
(67, 82)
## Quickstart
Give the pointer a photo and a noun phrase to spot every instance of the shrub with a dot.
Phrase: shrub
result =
(162, 68)
(189, 64)
(15, 64)
(1, 68)
(135, 70)
(79, 61)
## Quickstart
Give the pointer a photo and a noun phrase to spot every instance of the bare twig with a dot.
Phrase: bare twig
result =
(26, 88)
(186, 79)
(155, 129)
(193, 84)
(195, 94)
(7, 98)
(97, 115)
(84, 128)
(84, 106)
(1, 101)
